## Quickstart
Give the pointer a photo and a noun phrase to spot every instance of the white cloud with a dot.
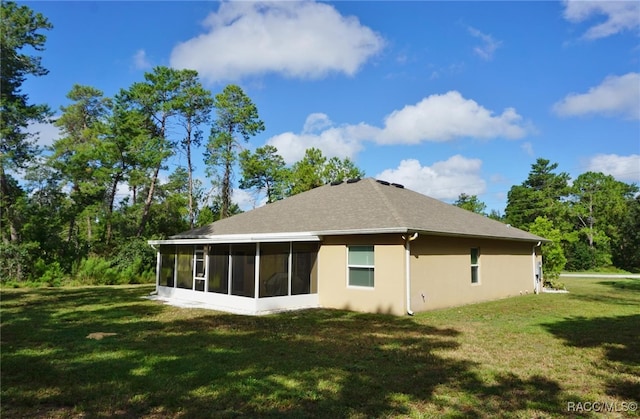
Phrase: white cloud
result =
(140, 60)
(623, 168)
(445, 117)
(436, 118)
(488, 47)
(442, 180)
(316, 122)
(616, 95)
(527, 147)
(620, 16)
(45, 133)
(344, 141)
(295, 39)
(247, 200)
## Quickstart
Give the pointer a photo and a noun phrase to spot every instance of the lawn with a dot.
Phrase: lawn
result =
(107, 352)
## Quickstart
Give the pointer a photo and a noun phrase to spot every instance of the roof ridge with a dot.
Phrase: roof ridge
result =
(392, 209)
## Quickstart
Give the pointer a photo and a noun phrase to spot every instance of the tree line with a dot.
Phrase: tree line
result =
(592, 220)
(68, 216)
(84, 207)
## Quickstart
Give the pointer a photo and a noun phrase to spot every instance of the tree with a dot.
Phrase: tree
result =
(20, 28)
(264, 170)
(626, 249)
(338, 170)
(236, 121)
(470, 203)
(160, 98)
(76, 155)
(194, 108)
(308, 173)
(553, 258)
(598, 207)
(542, 194)
(315, 170)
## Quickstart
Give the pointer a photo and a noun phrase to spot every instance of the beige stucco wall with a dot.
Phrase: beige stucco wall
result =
(388, 294)
(441, 271)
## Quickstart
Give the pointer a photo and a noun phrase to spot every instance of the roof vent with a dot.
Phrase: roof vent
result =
(354, 180)
(336, 182)
(397, 185)
(383, 182)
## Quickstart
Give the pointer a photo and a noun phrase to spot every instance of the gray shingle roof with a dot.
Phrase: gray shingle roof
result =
(366, 206)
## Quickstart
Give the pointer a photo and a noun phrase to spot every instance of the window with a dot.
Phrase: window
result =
(475, 266)
(361, 266)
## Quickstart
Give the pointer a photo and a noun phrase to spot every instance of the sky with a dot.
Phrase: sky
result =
(443, 97)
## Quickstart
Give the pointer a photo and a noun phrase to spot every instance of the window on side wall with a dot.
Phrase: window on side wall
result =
(361, 266)
(475, 265)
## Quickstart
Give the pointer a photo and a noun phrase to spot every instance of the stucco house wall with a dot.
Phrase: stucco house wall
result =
(441, 271)
(388, 293)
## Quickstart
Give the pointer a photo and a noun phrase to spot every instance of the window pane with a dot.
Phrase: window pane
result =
(304, 274)
(361, 255)
(185, 267)
(243, 272)
(474, 275)
(219, 269)
(361, 277)
(274, 269)
(474, 256)
(168, 265)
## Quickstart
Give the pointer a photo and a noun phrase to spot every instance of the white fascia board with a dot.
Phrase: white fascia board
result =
(241, 238)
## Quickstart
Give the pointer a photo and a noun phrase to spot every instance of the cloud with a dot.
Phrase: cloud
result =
(343, 141)
(623, 168)
(621, 16)
(45, 133)
(442, 180)
(488, 47)
(247, 200)
(296, 39)
(448, 116)
(527, 147)
(140, 60)
(437, 118)
(616, 95)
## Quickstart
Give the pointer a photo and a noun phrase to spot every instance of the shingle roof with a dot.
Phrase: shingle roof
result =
(364, 206)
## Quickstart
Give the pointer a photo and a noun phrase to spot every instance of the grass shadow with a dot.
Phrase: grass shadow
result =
(619, 340)
(167, 362)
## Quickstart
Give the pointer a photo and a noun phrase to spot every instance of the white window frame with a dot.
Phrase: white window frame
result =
(475, 265)
(372, 267)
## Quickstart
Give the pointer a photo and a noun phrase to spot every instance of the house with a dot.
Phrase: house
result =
(365, 245)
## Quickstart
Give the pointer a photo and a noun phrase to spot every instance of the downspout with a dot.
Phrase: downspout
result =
(407, 269)
(536, 281)
(158, 268)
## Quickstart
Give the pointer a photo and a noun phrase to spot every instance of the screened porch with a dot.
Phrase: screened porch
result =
(248, 278)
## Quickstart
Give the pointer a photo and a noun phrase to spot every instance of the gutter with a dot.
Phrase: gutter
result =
(536, 281)
(407, 269)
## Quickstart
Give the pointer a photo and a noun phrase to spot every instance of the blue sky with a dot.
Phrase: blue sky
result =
(443, 97)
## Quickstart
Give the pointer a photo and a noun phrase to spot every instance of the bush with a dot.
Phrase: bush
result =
(51, 275)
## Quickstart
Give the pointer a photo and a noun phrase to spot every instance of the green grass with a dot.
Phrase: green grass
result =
(527, 356)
